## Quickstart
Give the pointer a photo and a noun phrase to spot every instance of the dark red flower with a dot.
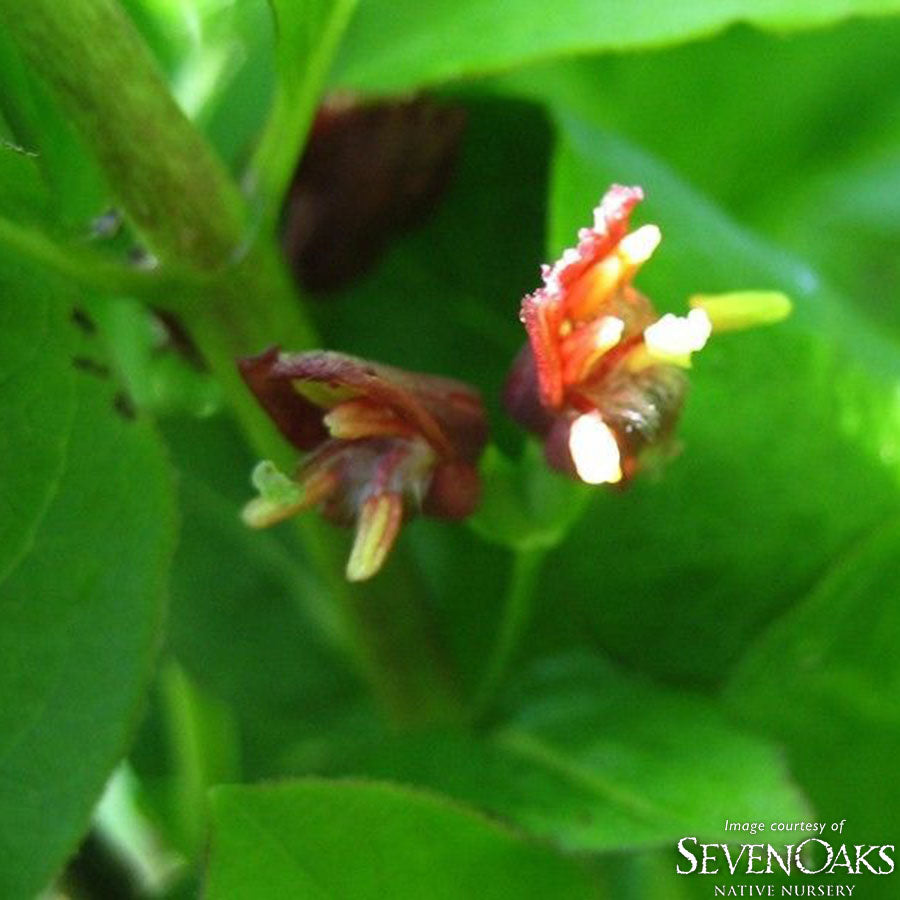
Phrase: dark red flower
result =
(381, 445)
(602, 377)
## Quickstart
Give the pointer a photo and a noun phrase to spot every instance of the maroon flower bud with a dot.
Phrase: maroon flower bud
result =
(382, 444)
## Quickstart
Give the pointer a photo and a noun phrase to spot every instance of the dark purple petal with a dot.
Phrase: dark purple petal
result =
(449, 415)
(298, 419)
(521, 395)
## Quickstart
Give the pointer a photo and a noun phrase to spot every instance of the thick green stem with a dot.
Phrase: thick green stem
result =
(172, 186)
(517, 612)
(176, 192)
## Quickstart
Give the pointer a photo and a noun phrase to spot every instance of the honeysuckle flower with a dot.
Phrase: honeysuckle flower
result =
(602, 377)
(381, 444)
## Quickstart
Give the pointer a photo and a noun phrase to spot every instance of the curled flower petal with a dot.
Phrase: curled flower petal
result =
(382, 444)
(294, 388)
(575, 288)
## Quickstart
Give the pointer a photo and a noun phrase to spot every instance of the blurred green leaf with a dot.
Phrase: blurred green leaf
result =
(789, 431)
(397, 46)
(847, 219)
(690, 105)
(203, 743)
(81, 610)
(308, 34)
(218, 57)
(355, 840)
(37, 403)
(594, 760)
(69, 175)
(824, 679)
(161, 377)
(23, 194)
(526, 505)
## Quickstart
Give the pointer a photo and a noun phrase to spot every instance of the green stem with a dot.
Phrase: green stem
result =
(517, 613)
(203, 747)
(173, 187)
(296, 95)
(389, 610)
(94, 271)
(176, 192)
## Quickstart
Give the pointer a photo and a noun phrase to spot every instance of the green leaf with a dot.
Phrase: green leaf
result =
(158, 375)
(395, 45)
(526, 505)
(355, 840)
(594, 760)
(831, 94)
(308, 34)
(789, 430)
(81, 615)
(23, 194)
(219, 61)
(854, 212)
(37, 403)
(69, 176)
(203, 745)
(824, 679)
